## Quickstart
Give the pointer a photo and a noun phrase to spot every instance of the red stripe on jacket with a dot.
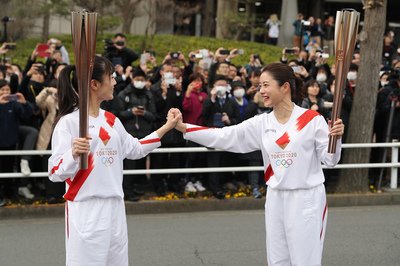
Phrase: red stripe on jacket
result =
(110, 118)
(55, 168)
(79, 180)
(323, 219)
(148, 141)
(268, 173)
(305, 118)
(195, 129)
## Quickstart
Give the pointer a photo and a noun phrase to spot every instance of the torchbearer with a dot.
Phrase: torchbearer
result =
(95, 220)
(84, 31)
(346, 29)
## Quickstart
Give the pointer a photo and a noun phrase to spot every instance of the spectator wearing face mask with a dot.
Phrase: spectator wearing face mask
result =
(138, 114)
(348, 95)
(219, 111)
(322, 77)
(167, 94)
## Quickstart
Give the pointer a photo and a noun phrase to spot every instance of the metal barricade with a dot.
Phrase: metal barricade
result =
(393, 165)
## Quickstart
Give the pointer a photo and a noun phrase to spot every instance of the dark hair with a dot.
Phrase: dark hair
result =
(120, 35)
(3, 83)
(283, 73)
(68, 99)
(219, 77)
(310, 83)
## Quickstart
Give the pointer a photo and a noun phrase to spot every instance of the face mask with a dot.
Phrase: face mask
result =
(139, 84)
(352, 75)
(221, 90)
(384, 83)
(321, 77)
(238, 93)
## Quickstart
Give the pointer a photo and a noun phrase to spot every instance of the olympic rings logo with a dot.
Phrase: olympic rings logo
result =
(284, 163)
(107, 161)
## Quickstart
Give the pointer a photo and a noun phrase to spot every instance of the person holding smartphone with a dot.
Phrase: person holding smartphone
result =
(13, 107)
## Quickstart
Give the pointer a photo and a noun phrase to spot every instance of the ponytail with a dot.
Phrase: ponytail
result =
(68, 95)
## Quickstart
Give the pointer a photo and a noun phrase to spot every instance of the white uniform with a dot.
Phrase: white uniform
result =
(295, 209)
(96, 231)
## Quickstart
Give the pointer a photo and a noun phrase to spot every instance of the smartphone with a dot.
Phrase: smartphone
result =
(239, 51)
(224, 52)
(204, 52)
(10, 45)
(198, 56)
(296, 69)
(140, 107)
(175, 55)
(143, 59)
(290, 51)
(42, 50)
(197, 85)
(12, 97)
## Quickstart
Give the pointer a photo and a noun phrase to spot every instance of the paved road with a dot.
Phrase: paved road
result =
(355, 236)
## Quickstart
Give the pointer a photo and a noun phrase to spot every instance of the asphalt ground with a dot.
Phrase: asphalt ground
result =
(359, 235)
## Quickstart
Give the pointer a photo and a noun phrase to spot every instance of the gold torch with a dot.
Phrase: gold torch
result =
(84, 31)
(346, 29)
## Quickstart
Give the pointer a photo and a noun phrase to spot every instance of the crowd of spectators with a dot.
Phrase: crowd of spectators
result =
(206, 86)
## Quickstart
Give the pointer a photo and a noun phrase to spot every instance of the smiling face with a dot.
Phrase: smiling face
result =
(104, 90)
(271, 92)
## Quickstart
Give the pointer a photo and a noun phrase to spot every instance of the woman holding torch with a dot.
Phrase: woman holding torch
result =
(293, 142)
(96, 230)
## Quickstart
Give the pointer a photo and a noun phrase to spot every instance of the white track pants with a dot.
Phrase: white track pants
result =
(96, 233)
(295, 223)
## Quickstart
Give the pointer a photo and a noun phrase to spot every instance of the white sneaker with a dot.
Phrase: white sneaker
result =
(25, 192)
(190, 187)
(25, 170)
(198, 186)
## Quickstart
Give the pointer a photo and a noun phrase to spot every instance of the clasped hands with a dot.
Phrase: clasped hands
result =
(175, 120)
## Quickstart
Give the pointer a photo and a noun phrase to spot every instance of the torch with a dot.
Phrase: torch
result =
(346, 30)
(84, 31)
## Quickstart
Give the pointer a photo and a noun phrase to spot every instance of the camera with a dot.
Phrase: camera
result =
(256, 56)
(239, 51)
(10, 46)
(290, 51)
(109, 46)
(12, 97)
(305, 22)
(175, 55)
(324, 55)
(224, 52)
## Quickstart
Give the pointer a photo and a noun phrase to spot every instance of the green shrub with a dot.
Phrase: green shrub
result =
(161, 44)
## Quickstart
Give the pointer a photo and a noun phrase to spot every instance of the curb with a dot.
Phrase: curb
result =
(199, 205)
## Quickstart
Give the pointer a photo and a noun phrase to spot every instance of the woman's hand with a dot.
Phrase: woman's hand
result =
(337, 129)
(80, 146)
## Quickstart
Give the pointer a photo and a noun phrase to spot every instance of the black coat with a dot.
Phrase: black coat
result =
(137, 126)
(212, 112)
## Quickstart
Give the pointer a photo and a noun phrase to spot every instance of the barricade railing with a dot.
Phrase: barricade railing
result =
(393, 165)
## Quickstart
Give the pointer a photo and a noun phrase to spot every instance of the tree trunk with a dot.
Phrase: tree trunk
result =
(46, 25)
(363, 110)
(208, 19)
(224, 7)
(126, 25)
